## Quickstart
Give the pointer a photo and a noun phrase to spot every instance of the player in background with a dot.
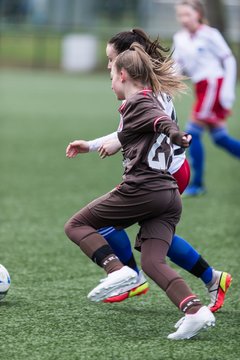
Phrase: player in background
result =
(148, 194)
(180, 251)
(202, 54)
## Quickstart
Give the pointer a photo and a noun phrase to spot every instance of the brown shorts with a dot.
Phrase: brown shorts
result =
(157, 212)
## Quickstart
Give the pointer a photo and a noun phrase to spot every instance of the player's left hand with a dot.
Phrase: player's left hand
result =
(77, 147)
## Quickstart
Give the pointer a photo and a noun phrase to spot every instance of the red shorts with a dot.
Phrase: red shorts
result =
(182, 176)
(207, 106)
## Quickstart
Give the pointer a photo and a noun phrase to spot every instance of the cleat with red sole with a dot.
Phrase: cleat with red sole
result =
(114, 282)
(127, 292)
(218, 290)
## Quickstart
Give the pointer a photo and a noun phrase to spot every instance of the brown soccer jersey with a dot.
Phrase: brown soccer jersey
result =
(146, 134)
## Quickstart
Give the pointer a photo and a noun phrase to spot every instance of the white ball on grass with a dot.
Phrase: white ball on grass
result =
(5, 281)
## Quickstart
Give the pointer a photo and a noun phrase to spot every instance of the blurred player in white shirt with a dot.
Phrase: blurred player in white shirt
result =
(201, 53)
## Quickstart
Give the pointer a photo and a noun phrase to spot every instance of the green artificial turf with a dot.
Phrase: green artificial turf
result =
(46, 315)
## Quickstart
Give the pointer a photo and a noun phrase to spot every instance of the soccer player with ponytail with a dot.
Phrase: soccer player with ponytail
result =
(180, 251)
(148, 194)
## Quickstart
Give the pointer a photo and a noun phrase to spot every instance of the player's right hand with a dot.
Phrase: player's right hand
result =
(186, 140)
(77, 147)
(109, 148)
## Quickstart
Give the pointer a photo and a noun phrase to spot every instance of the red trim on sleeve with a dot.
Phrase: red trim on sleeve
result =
(157, 121)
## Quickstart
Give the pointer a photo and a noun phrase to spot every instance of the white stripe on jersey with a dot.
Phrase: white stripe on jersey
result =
(169, 109)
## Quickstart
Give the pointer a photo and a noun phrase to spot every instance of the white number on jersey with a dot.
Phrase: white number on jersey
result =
(161, 153)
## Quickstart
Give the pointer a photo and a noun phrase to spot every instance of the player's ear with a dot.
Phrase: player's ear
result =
(123, 75)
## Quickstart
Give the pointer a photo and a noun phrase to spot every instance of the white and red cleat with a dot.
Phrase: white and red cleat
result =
(129, 291)
(218, 290)
(114, 281)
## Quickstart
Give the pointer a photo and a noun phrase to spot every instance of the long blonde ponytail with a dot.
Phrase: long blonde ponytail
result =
(159, 75)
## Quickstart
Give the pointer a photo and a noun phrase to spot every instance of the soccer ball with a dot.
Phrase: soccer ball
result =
(5, 281)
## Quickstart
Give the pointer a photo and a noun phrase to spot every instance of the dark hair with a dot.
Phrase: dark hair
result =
(123, 40)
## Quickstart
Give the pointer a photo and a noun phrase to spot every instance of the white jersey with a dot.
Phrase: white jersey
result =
(200, 55)
(167, 105)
